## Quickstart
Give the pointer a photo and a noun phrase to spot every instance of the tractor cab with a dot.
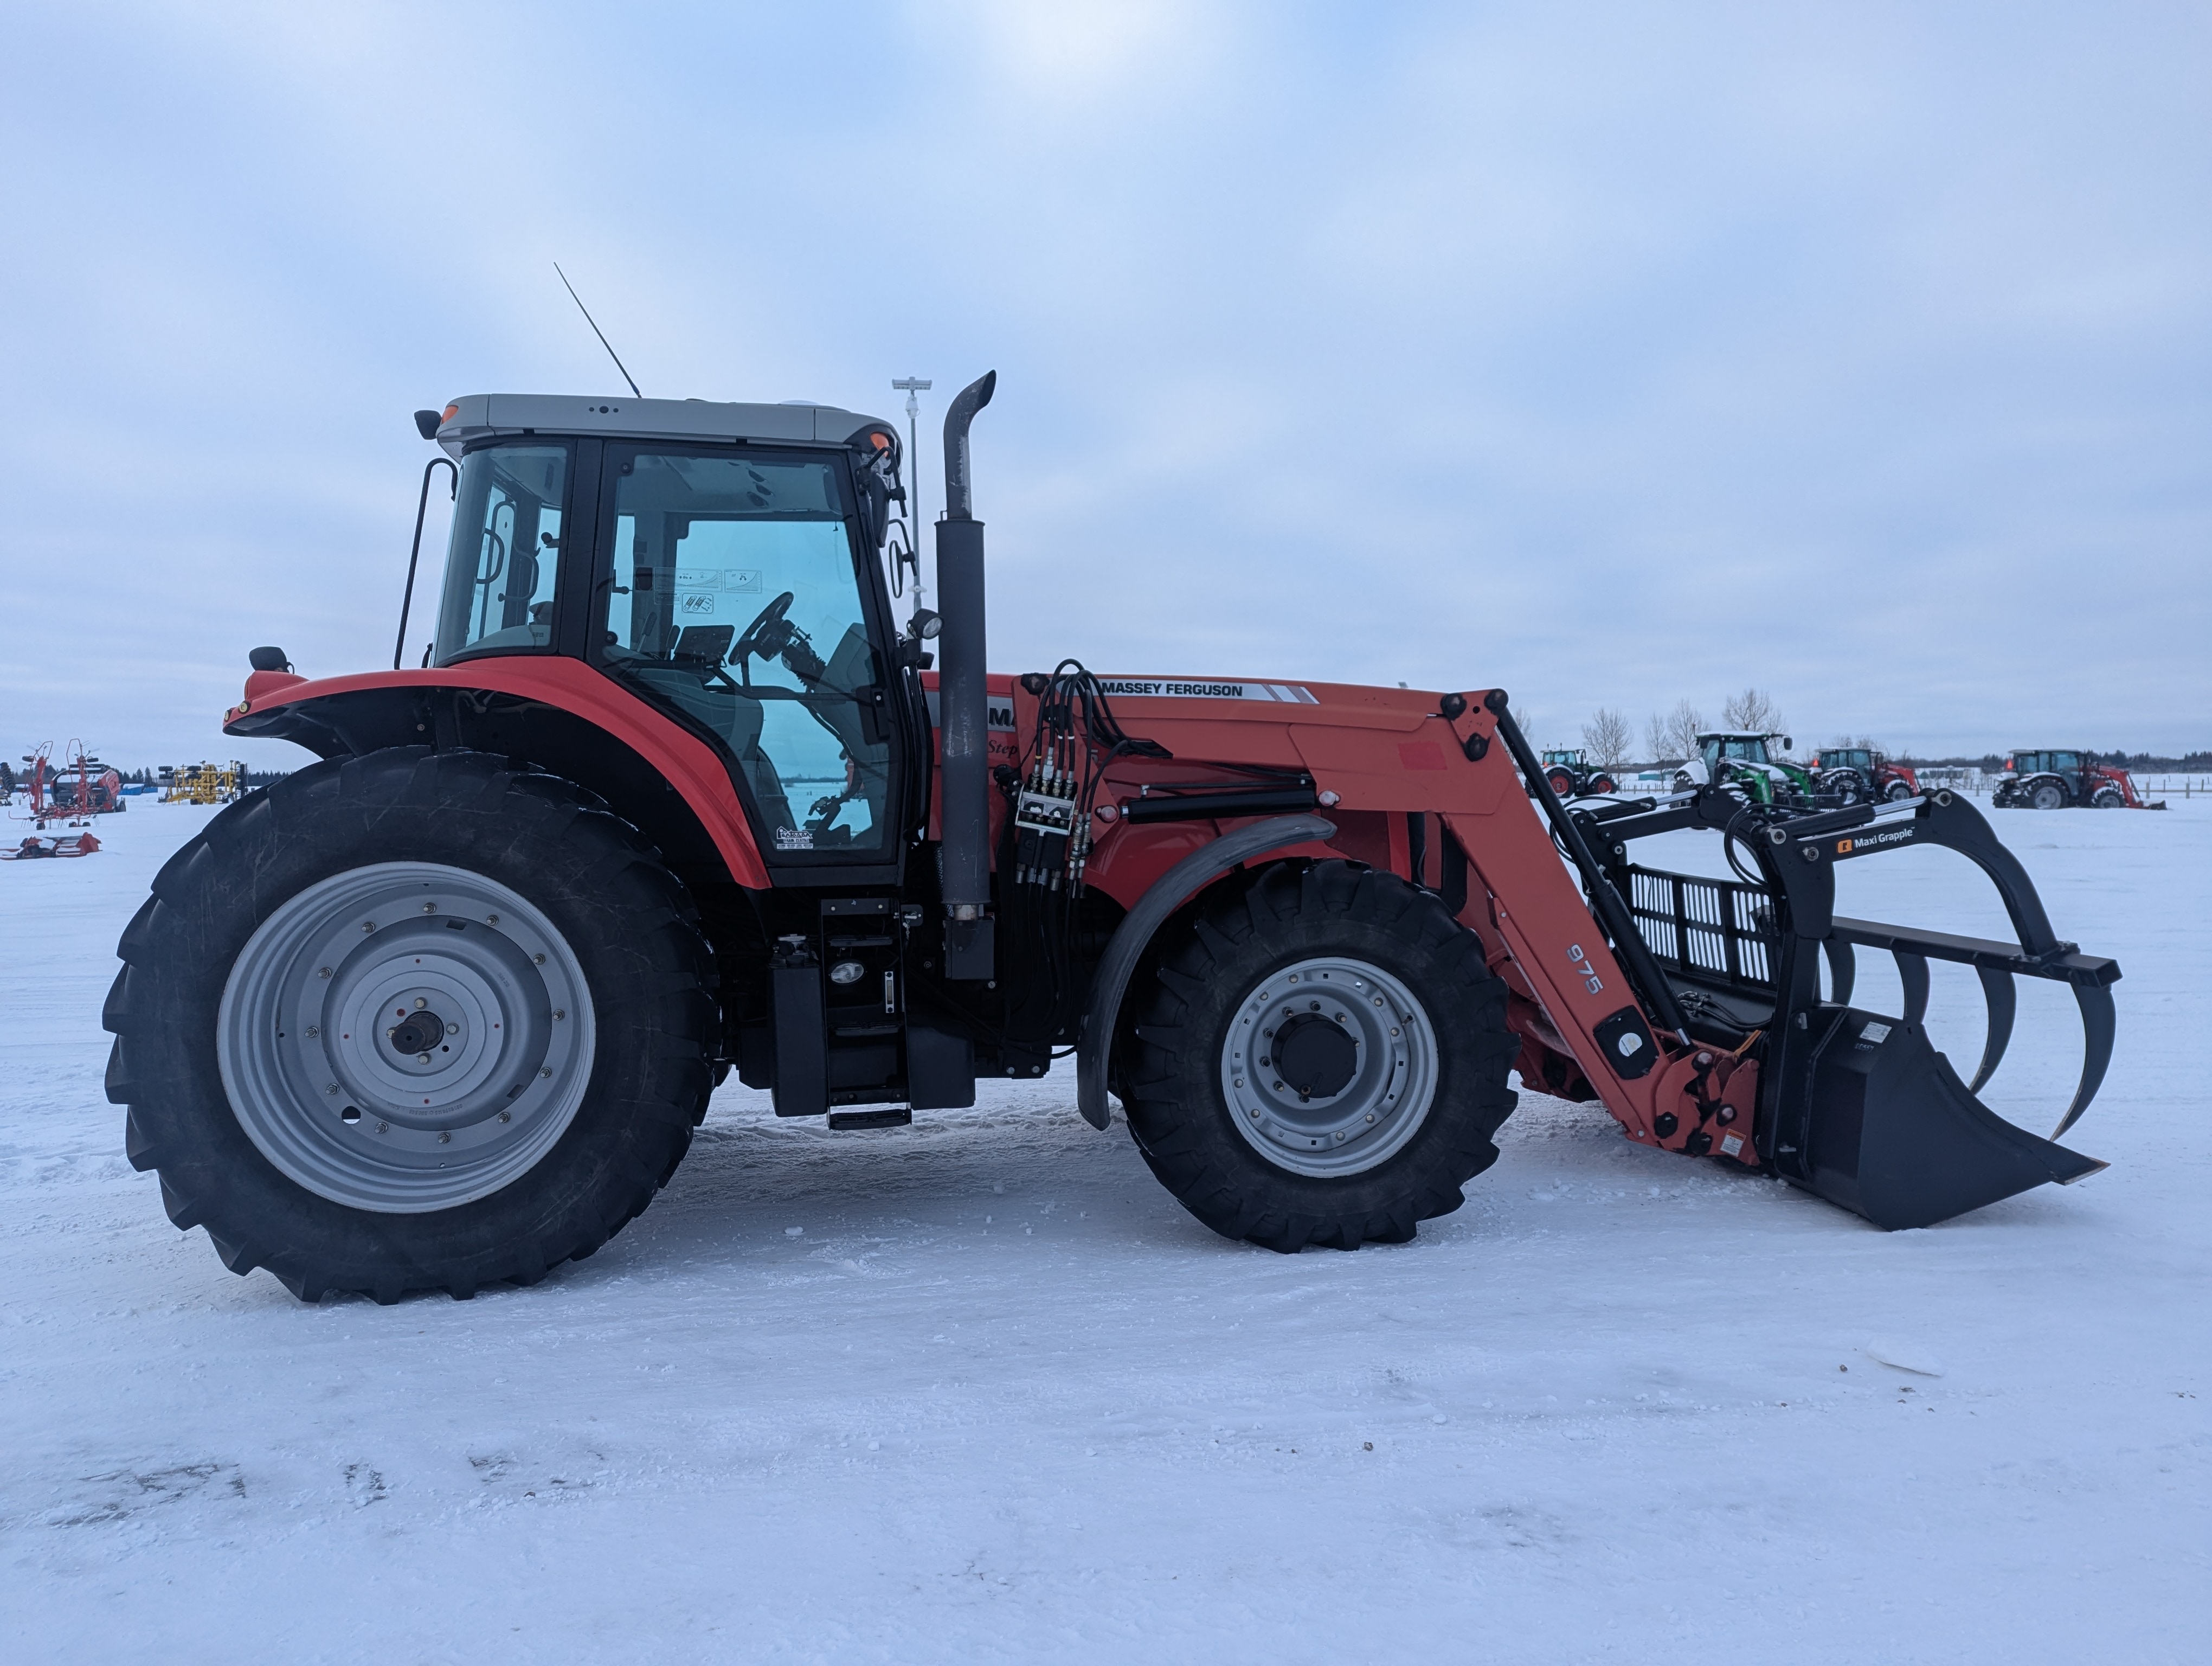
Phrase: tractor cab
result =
(1747, 749)
(1860, 758)
(721, 562)
(1570, 757)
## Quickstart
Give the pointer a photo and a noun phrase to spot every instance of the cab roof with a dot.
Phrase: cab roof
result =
(476, 417)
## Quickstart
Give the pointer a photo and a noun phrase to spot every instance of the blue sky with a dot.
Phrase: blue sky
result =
(1613, 354)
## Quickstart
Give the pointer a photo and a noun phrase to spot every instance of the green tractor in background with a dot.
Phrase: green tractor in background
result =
(1743, 762)
(1572, 776)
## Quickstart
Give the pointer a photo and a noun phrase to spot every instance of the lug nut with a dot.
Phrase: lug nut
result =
(430, 908)
(443, 1139)
(420, 1003)
(506, 1116)
(546, 1071)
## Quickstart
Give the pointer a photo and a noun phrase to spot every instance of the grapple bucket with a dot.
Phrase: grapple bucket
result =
(1854, 1105)
(1885, 1128)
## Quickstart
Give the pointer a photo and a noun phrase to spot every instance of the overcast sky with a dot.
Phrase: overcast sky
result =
(1611, 355)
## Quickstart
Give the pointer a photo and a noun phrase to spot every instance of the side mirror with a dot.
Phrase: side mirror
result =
(426, 423)
(1789, 744)
(268, 658)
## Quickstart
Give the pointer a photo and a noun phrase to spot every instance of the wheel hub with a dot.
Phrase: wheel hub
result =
(1329, 1067)
(404, 1037)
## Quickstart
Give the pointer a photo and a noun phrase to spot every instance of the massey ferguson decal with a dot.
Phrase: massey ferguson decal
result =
(1169, 687)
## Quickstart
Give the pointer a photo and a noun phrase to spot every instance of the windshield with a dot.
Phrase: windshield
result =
(506, 540)
(1748, 752)
(734, 596)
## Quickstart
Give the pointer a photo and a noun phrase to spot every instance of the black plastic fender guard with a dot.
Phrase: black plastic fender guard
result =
(1168, 893)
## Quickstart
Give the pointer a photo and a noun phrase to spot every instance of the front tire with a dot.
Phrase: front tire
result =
(2046, 795)
(1323, 1060)
(1896, 792)
(411, 1021)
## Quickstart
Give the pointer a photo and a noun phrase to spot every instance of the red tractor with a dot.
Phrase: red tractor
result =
(1860, 775)
(2046, 780)
(1572, 776)
(678, 794)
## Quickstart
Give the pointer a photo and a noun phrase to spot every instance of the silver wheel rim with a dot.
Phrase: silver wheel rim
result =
(1393, 1083)
(405, 1037)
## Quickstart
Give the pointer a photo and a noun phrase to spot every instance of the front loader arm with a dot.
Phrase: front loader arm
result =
(1618, 1017)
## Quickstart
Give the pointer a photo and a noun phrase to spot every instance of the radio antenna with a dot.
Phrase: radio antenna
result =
(596, 330)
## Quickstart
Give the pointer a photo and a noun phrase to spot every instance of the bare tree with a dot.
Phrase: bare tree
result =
(1674, 737)
(1754, 710)
(1607, 737)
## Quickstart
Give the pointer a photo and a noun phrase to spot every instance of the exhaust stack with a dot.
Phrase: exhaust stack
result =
(964, 703)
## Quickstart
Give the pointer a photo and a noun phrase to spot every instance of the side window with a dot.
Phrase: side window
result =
(505, 550)
(733, 596)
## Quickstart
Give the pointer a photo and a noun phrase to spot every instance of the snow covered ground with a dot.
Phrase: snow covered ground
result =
(979, 1390)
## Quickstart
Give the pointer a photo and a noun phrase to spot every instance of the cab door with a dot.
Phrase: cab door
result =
(735, 592)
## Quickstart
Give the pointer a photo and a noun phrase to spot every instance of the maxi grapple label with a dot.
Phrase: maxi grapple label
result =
(1861, 844)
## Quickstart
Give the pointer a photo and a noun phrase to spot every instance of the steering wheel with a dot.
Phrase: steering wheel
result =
(767, 635)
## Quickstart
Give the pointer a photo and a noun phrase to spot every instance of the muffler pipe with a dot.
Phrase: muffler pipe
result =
(963, 701)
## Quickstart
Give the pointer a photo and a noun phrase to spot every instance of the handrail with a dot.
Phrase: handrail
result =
(414, 555)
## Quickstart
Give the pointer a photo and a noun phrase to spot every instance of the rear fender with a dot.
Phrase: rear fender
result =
(562, 716)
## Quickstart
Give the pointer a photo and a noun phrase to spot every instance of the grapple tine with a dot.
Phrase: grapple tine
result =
(1842, 969)
(1913, 973)
(2003, 998)
(2099, 1023)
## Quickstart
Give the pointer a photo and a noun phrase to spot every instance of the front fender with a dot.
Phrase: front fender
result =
(1134, 934)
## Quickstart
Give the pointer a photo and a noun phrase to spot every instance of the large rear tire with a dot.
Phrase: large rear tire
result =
(411, 1021)
(1323, 1060)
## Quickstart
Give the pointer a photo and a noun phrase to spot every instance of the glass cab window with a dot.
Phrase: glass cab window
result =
(505, 551)
(734, 596)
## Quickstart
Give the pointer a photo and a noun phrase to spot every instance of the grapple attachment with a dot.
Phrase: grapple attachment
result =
(1854, 1105)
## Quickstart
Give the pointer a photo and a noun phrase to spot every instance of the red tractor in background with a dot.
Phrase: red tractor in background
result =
(678, 794)
(2047, 780)
(1861, 775)
(1573, 776)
